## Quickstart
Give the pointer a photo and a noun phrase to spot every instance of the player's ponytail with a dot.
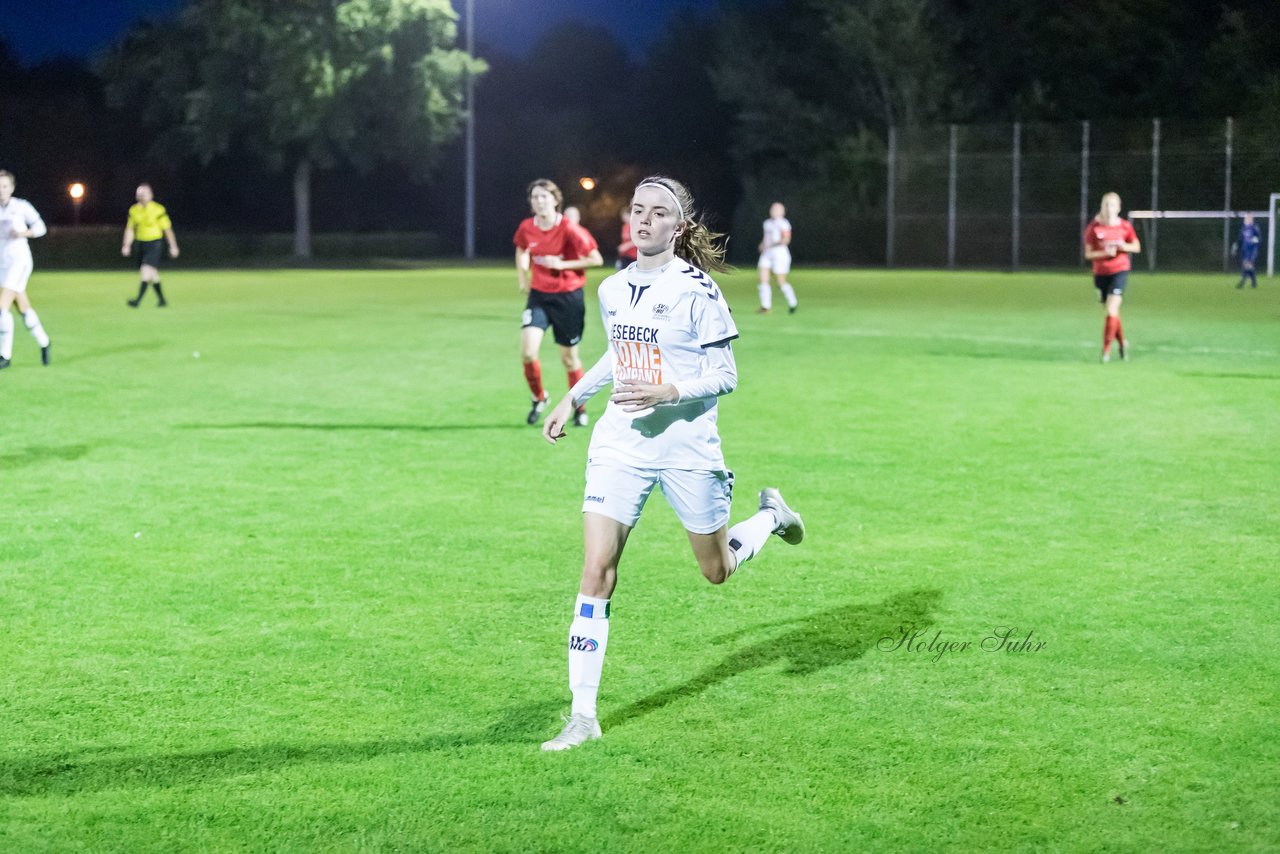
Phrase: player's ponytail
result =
(697, 244)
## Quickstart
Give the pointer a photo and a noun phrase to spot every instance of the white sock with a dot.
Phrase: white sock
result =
(32, 320)
(748, 537)
(588, 637)
(790, 293)
(6, 334)
(766, 296)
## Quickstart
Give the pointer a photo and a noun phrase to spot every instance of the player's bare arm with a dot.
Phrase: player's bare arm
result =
(553, 426)
(634, 397)
(522, 270)
(173, 242)
(556, 262)
(127, 245)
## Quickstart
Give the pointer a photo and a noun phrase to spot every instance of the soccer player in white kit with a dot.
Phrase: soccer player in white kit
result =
(669, 359)
(18, 222)
(775, 258)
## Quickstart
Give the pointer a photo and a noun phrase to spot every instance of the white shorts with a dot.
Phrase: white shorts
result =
(701, 498)
(777, 260)
(14, 273)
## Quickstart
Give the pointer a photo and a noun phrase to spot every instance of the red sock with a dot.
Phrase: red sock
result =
(533, 376)
(574, 376)
(1108, 333)
(1119, 331)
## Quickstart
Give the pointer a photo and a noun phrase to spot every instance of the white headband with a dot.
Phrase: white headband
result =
(668, 191)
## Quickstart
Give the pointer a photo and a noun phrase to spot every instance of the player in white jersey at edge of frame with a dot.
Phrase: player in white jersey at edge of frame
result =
(18, 223)
(669, 358)
(775, 258)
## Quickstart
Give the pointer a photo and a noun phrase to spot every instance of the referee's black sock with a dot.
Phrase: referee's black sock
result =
(159, 293)
(142, 289)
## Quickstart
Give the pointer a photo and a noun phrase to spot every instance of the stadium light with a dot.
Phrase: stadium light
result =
(76, 192)
(469, 207)
(587, 183)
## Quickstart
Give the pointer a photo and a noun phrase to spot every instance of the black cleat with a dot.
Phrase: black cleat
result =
(536, 410)
(4, 363)
(792, 309)
(133, 303)
(162, 304)
(44, 354)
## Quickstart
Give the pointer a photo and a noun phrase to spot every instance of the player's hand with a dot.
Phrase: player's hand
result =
(124, 250)
(173, 252)
(1112, 249)
(523, 286)
(634, 397)
(551, 262)
(553, 426)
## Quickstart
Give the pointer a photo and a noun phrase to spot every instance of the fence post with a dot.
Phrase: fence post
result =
(889, 200)
(951, 200)
(1226, 203)
(1084, 183)
(1016, 213)
(1155, 192)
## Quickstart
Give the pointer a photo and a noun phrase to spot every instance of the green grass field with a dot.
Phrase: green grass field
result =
(309, 590)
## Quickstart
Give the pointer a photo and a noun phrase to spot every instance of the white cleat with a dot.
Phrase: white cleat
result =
(578, 729)
(790, 525)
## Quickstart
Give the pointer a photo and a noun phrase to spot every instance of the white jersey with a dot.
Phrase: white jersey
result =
(775, 230)
(659, 328)
(18, 214)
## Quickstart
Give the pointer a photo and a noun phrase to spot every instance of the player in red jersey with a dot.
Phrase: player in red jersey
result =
(627, 248)
(1109, 240)
(551, 254)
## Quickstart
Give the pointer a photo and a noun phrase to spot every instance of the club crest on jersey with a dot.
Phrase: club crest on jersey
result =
(583, 644)
(660, 311)
(636, 293)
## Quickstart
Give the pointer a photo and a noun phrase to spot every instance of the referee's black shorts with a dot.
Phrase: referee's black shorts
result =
(149, 252)
(564, 312)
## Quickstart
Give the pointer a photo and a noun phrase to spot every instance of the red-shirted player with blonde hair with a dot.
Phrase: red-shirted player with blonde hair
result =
(551, 254)
(1109, 240)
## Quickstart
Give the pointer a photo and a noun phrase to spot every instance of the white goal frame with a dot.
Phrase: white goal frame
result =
(1269, 215)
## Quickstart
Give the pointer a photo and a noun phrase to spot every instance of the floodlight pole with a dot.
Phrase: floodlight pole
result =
(470, 212)
(1226, 203)
(1155, 192)
(1084, 181)
(951, 198)
(1015, 213)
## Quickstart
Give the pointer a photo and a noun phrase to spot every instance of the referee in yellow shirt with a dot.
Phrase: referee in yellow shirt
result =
(145, 234)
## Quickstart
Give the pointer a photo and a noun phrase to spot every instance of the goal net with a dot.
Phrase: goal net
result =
(1189, 238)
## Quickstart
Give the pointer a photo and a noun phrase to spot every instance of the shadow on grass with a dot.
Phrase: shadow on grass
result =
(105, 352)
(37, 454)
(813, 642)
(61, 775)
(1015, 353)
(394, 428)
(1229, 376)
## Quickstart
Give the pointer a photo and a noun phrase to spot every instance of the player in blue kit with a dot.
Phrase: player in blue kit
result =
(1247, 245)
(669, 359)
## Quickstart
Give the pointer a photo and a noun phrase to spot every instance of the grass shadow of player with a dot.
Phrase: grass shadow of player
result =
(105, 352)
(392, 428)
(812, 643)
(66, 775)
(37, 454)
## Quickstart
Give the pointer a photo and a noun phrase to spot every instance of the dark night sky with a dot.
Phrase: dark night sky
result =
(46, 28)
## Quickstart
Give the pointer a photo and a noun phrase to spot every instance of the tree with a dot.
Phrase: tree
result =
(299, 85)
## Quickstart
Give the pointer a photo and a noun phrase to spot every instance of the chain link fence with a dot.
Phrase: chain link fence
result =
(1010, 196)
